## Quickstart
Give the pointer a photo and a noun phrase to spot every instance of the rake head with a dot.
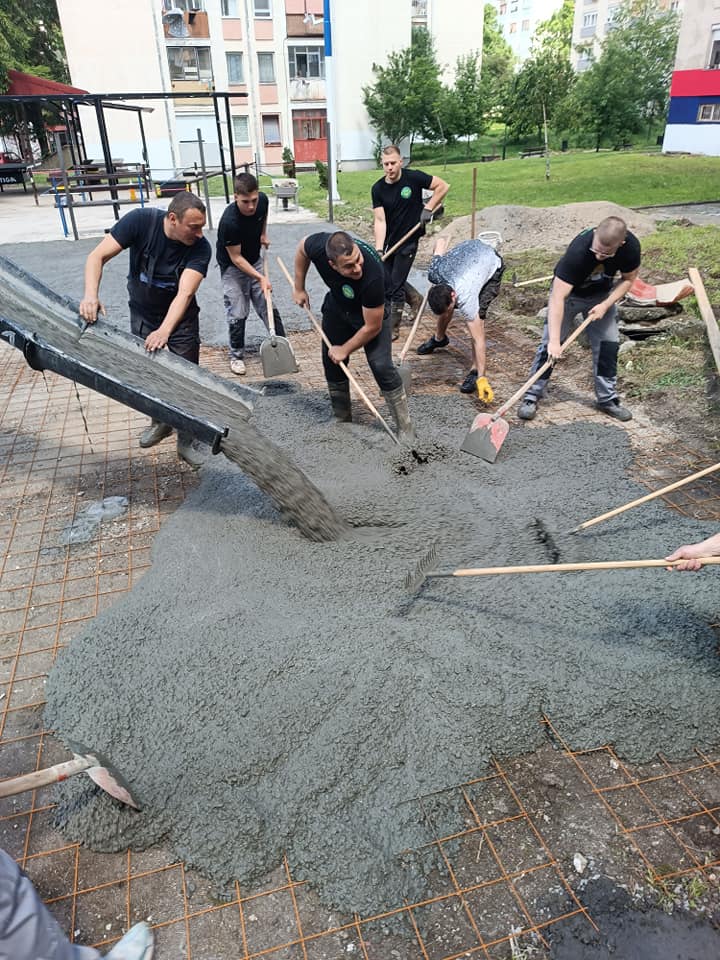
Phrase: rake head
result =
(415, 578)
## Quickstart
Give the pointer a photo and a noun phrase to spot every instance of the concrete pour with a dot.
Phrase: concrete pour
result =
(264, 694)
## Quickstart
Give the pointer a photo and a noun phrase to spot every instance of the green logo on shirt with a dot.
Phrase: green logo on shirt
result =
(405, 193)
(347, 291)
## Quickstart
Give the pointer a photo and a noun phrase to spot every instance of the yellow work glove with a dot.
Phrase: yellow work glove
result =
(485, 391)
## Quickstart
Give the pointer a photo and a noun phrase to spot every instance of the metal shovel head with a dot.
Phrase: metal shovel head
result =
(277, 357)
(108, 782)
(405, 372)
(485, 437)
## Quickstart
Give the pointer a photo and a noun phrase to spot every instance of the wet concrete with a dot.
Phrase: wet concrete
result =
(263, 694)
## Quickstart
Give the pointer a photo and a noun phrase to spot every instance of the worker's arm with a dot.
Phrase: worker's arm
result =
(264, 239)
(690, 552)
(302, 265)
(244, 266)
(559, 292)
(190, 280)
(476, 326)
(97, 258)
(372, 324)
(439, 191)
(441, 245)
(615, 295)
(379, 228)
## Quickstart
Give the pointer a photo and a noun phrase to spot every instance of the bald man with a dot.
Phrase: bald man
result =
(584, 282)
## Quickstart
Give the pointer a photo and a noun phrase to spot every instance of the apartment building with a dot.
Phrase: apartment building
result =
(519, 19)
(270, 55)
(694, 116)
(593, 20)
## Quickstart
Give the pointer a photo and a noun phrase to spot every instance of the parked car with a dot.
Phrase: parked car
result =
(8, 157)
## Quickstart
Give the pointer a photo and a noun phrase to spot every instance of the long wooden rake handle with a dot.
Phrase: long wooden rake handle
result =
(41, 778)
(538, 373)
(363, 396)
(648, 496)
(527, 283)
(268, 302)
(401, 241)
(413, 329)
(563, 567)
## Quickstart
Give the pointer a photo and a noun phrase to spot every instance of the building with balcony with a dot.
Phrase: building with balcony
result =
(694, 116)
(269, 55)
(519, 20)
(593, 21)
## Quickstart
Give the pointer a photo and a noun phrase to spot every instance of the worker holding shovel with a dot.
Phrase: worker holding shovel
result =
(584, 283)
(28, 931)
(242, 233)
(691, 551)
(398, 207)
(465, 279)
(353, 316)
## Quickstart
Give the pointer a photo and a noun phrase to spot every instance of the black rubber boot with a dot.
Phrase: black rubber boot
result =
(412, 298)
(340, 400)
(397, 401)
(396, 315)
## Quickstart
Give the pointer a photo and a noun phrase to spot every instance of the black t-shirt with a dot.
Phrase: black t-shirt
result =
(402, 202)
(154, 258)
(588, 275)
(352, 295)
(237, 230)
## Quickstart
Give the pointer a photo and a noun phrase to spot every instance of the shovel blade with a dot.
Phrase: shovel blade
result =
(277, 357)
(107, 782)
(485, 437)
(405, 375)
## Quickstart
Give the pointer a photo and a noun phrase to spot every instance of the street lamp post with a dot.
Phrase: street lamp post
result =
(333, 195)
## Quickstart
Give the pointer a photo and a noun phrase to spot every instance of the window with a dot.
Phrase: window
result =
(262, 10)
(526, 25)
(590, 19)
(235, 70)
(513, 27)
(271, 131)
(190, 6)
(513, 7)
(229, 8)
(612, 14)
(306, 63)
(709, 113)
(266, 67)
(715, 56)
(189, 63)
(241, 131)
(503, 9)
(309, 125)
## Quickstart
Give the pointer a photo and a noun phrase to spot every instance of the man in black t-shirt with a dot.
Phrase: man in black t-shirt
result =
(168, 259)
(242, 233)
(398, 205)
(584, 283)
(353, 316)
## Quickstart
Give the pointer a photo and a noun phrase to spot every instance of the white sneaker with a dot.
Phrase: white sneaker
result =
(137, 944)
(237, 367)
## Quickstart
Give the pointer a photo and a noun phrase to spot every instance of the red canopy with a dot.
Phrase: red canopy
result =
(26, 85)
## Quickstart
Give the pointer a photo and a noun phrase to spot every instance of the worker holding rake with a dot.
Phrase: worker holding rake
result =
(465, 279)
(584, 283)
(691, 551)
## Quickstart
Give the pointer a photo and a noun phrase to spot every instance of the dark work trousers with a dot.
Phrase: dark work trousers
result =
(148, 307)
(397, 268)
(490, 291)
(339, 326)
(604, 340)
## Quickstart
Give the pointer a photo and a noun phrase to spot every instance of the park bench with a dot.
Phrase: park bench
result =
(534, 152)
(94, 189)
(487, 158)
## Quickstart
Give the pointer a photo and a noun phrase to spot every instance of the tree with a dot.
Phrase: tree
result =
(405, 97)
(628, 86)
(498, 61)
(31, 40)
(467, 98)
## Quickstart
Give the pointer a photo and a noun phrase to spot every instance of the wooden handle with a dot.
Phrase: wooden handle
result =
(538, 373)
(649, 496)
(400, 242)
(564, 567)
(41, 778)
(474, 200)
(413, 329)
(526, 283)
(268, 300)
(363, 396)
(706, 312)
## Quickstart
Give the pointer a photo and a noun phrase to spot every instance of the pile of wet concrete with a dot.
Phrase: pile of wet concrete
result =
(263, 694)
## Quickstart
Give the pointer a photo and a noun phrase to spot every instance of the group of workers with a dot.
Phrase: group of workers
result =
(367, 291)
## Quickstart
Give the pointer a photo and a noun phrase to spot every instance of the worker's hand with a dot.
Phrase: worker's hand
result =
(426, 215)
(264, 242)
(484, 390)
(598, 311)
(300, 297)
(688, 554)
(265, 285)
(156, 340)
(554, 350)
(89, 309)
(338, 354)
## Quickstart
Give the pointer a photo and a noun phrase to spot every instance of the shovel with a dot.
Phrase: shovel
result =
(488, 431)
(276, 353)
(404, 368)
(401, 241)
(106, 780)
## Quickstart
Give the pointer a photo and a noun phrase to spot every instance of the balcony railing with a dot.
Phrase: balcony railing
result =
(418, 9)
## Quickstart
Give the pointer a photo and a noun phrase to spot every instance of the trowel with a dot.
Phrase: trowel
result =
(109, 782)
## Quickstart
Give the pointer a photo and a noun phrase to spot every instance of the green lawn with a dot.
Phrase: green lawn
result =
(630, 179)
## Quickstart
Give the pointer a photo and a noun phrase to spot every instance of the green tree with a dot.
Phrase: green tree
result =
(467, 117)
(556, 31)
(628, 86)
(407, 92)
(498, 62)
(31, 40)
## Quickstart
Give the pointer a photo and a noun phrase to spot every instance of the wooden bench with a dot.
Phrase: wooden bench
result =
(489, 157)
(535, 152)
(70, 190)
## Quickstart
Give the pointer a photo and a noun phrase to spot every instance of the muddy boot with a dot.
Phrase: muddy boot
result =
(396, 315)
(154, 433)
(412, 298)
(340, 400)
(397, 401)
(191, 451)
